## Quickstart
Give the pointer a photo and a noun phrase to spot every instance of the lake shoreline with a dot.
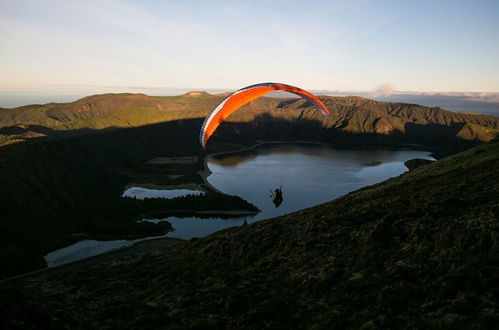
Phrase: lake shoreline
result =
(211, 213)
(204, 173)
(143, 246)
(402, 147)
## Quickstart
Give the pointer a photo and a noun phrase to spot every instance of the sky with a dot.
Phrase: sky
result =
(73, 47)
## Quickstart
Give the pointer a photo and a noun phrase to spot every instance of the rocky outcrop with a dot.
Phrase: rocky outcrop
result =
(417, 162)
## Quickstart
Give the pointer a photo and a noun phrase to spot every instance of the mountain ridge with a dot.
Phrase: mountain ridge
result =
(351, 114)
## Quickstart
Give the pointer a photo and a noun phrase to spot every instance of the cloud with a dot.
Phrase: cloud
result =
(385, 89)
(486, 97)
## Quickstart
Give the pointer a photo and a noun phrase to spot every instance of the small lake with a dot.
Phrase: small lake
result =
(86, 248)
(308, 175)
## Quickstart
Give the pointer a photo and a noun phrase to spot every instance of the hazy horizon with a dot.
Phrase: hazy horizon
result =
(485, 103)
(443, 53)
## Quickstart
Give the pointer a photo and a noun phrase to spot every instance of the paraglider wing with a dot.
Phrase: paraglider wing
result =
(246, 95)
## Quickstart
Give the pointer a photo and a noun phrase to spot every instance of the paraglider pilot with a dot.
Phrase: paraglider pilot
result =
(276, 196)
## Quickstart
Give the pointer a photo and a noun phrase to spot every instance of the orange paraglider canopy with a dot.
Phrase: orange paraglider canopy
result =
(246, 95)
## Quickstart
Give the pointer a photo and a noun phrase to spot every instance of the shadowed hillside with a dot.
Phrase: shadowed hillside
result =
(416, 251)
(56, 192)
(62, 180)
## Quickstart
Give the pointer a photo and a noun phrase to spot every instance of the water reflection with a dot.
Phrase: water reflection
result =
(232, 160)
(141, 193)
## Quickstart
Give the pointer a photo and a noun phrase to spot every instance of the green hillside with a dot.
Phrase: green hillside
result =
(416, 251)
(399, 122)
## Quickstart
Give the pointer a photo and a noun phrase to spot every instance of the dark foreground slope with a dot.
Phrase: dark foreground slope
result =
(417, 251)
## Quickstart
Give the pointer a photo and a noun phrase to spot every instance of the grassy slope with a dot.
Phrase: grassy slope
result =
(420, 250)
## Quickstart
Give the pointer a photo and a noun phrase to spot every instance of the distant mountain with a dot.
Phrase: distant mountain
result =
(419, 251)
(352, 115)
(105, 111)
